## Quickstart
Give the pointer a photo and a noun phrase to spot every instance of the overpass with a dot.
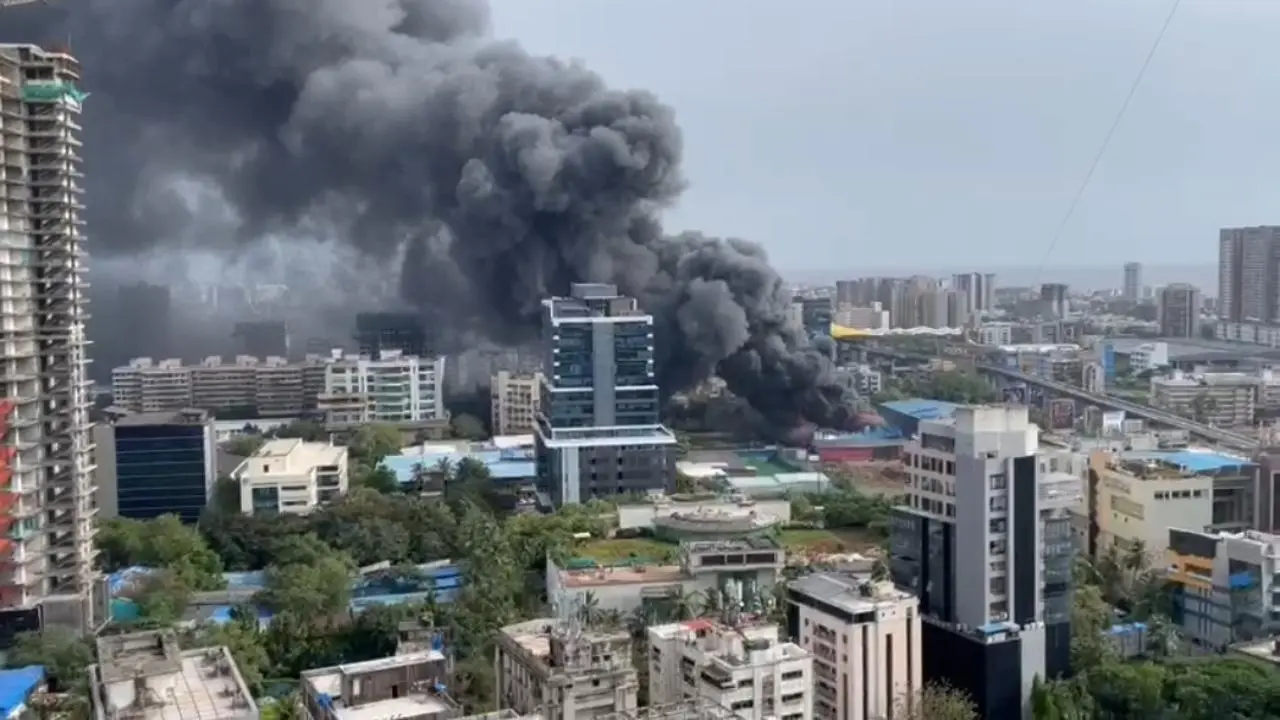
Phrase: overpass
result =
(1225, 438)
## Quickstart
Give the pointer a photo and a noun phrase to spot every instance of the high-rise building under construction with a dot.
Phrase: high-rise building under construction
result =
(46, 467)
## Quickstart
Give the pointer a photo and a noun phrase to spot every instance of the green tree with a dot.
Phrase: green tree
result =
(304, 430)
(242, 638)
(65, 656)
(160, 543)
(320, 590)
(160, 596)
(377, 478)
(467, 427)
(936, 702)
(244, 445)
(226, 496)
(371, 443)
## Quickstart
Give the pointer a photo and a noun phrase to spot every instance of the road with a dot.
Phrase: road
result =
(1225, 438)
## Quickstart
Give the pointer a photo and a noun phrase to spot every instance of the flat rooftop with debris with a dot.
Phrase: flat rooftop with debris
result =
(146, 676)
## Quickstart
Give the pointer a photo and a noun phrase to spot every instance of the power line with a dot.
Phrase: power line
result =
(1106, 140)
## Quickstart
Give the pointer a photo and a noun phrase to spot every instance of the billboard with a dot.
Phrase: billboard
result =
(1062, 414)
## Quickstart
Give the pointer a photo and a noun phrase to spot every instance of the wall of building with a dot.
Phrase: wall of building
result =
(163, 469)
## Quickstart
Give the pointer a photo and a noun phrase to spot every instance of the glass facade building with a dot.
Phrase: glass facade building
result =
(158, 464)
(599, 433)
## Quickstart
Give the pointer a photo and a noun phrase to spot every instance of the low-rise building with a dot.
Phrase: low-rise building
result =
(1136, 497)
(291, 476)
(1224, 585)
(412, 686)
(742, 666)
(147, 676)
(1219, 399)
(865, 640)
(702, 566)
(564, 671)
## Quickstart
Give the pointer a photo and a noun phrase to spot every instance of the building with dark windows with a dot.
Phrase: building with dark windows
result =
(815, 315)
(598, 432)
(402, 331)
(262, 338)
(156, 463)
(984, 541)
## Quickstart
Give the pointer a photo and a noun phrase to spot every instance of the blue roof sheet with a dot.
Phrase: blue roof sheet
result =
(500, 468)
(922, 409)
(16, 686)
(1126, 628)
(1204, 461)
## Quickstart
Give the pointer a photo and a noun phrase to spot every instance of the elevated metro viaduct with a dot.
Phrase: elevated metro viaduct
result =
(972, 356)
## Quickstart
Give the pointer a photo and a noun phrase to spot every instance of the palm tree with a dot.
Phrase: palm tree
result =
(1163, 639)
(640, 620)
(443, 468)
(713, 603)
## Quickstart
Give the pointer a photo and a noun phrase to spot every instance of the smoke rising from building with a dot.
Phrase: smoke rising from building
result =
(491, 178)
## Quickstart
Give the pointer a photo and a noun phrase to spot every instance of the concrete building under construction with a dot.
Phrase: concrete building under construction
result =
(46, 466)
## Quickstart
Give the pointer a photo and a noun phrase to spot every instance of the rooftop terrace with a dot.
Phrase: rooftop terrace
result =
(145, 676)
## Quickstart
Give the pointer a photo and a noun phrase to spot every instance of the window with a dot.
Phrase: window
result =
(999, 482)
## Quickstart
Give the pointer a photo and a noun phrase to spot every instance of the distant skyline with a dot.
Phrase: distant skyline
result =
(1080, 277)
(871, 134)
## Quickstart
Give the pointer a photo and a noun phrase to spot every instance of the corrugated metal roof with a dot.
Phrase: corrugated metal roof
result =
(922, 408)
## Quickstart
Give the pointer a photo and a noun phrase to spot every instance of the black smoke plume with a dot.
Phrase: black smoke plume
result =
(492, 177)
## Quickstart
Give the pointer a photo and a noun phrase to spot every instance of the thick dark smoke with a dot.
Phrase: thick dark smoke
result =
(400, 128)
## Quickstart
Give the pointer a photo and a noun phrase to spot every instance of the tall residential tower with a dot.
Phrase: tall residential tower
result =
(1132, 290)
(598, 432)
(984, 542)
(46, 466)
(1249, 274)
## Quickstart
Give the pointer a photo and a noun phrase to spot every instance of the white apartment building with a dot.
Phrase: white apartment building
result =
(46, 457)
(995, 333)
(862, 379)
(743, 667)
(396, 389)
(271, 387)
(1219, 399)
(865, 641)
(515, 401)
(1149, 356)
(291, 477)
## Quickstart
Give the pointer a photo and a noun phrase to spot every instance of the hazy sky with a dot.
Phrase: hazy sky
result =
(897, 132)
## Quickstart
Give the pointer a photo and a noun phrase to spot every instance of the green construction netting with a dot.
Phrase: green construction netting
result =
(52, 91)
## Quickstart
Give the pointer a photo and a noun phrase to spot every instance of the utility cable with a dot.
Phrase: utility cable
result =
(1106, 140)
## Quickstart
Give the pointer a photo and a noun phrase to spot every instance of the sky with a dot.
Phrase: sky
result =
(938, 133)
